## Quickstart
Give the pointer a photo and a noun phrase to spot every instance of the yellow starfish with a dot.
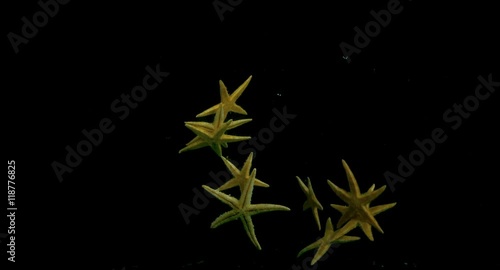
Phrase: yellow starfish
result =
(357, 221)
(228, 103)
(358, 204)
(311, 202)
(240, 177)
(213, 134)
(330, 237)
(242, 208)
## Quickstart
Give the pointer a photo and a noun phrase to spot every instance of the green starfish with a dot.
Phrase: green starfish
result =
(311, 201)
(357, 203)
(213, 134)
(228, 102)
(330, 237)
(240, 177)
(242, 208)
(358, 221)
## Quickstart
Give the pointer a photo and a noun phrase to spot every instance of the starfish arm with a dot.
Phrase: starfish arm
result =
(348, 219)
(367, 229)
(234, 182)
(223, 197)
(230, 102)
(353, 184)
(247, 189)
(219, 125)
(193, 146)
(347, 238)
(371, 195)
(224, 95)
(366, 216)
(238, 109)
(237, 93)
(229, 184)
(312, 196)
(217, 148)
(234, 138)
(320, 252)
(245, 170)
(342, 194)
(200, 125)
(352, 224)
(250, 230)
(209, 111)
(230, 166)
(310, 247)
(328, 228)
(259, 183)
(316, 217)
(237, 123)
(196, 139)
(205, 134)
(302, 186)
(341, 208)
(225, 218)
(381, 208)
(265, 207)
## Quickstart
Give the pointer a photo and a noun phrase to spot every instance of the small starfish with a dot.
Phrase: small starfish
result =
(330, 237)
(358, 204)
(311, 202)
(240, 177)
(242, 208)
(357, 221)
(228, 103)
(213, 134)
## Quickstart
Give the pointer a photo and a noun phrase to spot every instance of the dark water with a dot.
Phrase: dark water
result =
(409, 102)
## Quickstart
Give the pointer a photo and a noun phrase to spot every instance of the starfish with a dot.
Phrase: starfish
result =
(240, 177)
(330, 237)
(242, 208)
(213, 134)
(311, 202)
(357, 221)
(228, 103)
(358, 204)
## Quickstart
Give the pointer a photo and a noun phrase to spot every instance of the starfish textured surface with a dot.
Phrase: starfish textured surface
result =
(357, 221)
(357, 203)
(228, 102)
(240, 177)
(330, 237)
(213, 134)
(242, 208)
(311, 201)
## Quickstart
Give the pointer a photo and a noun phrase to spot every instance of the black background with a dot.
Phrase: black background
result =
(120, 206)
